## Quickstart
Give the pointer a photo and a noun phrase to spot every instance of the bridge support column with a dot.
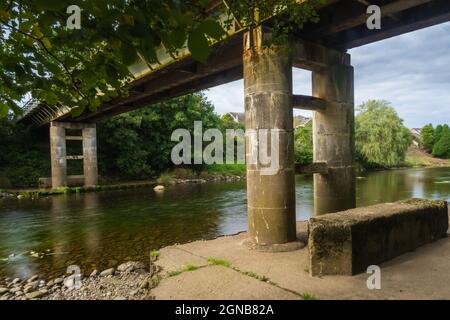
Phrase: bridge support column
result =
(334, 139)
(269, 116)
(90, 155)
(58, 155)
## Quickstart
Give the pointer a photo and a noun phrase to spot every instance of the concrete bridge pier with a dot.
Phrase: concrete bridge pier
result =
(333, 138)
(59, 155)
(90, 169)
(269, 117)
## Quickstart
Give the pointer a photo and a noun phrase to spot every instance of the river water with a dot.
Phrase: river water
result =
(99, 230)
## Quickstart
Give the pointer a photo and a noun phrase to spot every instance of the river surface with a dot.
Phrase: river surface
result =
(99, 230)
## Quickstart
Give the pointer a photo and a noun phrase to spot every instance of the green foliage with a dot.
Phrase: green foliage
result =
(165, 179)
(441, 149)
(303, 144)
(236, 169)
(55, 64)
(381, 137)
(253, 13)
(24, 156)
(185, 268)
(228, 122)
(438, 132)
(190, 267)
(154, 254)
(219, 262)
(138, 144)
(156, 279)
(259, 277)
(427, 137)
(308, 296)
(436, 141)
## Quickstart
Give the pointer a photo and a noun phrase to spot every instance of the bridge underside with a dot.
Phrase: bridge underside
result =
(342, 26)
(269, 103)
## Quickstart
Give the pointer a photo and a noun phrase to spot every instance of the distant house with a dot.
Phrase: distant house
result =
(238, 117)
(301, 121)
(416, 136)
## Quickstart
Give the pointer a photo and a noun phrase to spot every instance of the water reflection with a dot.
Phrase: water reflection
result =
(98, 230)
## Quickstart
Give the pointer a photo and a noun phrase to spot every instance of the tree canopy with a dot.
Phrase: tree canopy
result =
(133, 145)
(441, 148)
(427, 137)
(138, 144)
(41, 57)
(381, 138)
(436, 140)
(303, 144)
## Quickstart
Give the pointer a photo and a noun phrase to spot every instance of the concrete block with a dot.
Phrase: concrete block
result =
(347, 242)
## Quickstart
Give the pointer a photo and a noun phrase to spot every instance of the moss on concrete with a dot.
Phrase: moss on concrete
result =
(347, 242)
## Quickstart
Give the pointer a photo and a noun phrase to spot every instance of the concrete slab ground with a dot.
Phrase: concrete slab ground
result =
(224, 268)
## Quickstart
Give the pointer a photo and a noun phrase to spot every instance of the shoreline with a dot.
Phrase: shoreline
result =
(38, 193)
(223, 268)
(130, 280)
(187, 176)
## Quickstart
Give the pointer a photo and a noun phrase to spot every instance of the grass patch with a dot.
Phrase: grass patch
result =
(186, 268)
(175, 273)
(165, 179)
(227, 169)
(154, 254)
(415, 157)
(156, 279)
(219, 262)
(190, 267)
(256, 276)
(307, 296)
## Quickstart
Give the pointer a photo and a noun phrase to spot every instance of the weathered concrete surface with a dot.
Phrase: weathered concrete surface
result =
(422, 274)
(228, 286)
(348, 242)
(334, 139)
(58, 155)
(71, 181)
(90, 168)
(269, 118)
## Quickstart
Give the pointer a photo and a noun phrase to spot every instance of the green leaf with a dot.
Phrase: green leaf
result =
(212, 28)
(15, 108)
(47, 43)
(4, 109)
(51, 98)
(111, 72)
(148, 52)
(77, 111)
(128, 53)
(49, 4)
(174, 39)
(53, 68)
(198, 46)
(4, 15)
(94, 104)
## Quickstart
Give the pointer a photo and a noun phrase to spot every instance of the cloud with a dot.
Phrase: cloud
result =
(412, 71)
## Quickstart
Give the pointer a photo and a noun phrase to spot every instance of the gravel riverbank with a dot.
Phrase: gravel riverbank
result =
(129, 281)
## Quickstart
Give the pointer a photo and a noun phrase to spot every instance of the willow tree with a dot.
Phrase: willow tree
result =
(49, 54)
(381, 138)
